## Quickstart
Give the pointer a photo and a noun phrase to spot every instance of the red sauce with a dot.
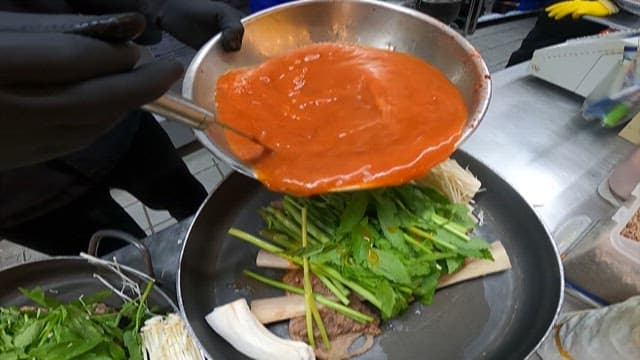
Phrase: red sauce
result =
(341, 116)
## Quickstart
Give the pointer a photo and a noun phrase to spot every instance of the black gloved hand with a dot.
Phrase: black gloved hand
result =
(194, 22)
(59, 91)
(113, 28)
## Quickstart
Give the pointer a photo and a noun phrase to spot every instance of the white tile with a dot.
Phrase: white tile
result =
(122, 197)
(157, 216)
(216, 159)
(225, 169)
(14, 254)
(199, 160)
(210, 178)
(164, 224)
(136, 211)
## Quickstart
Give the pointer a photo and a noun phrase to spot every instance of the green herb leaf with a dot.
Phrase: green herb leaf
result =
(59, 331)
(390, 221)
(96, 298)
(389, 246)
(28, 334)
(453, 264)
(390, 266)
(353, 213)
(38, 296)
(426, 288)
(13, 355)
(133, 343)
(310, 250)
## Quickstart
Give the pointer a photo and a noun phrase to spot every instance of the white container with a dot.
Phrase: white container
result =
(625, 176)
(604, 264)
(629, 248)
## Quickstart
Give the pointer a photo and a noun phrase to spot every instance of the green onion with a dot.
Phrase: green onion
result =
(453, 228)
(311, 311)
(417, 244)
(254, 240)
(345, 310)
(426, 235)
(339, 293)
(334, 274)
(317, 269)
(308, 294)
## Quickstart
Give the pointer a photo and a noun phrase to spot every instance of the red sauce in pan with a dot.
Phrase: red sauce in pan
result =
(341, 116)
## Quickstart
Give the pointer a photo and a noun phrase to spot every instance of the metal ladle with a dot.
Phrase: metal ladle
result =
(182, 110)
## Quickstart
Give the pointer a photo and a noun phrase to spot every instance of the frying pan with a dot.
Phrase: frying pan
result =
(502, 316)
(66, 278)
(296, 24)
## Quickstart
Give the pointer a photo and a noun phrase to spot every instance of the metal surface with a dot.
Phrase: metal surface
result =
(144, 252)
(67, 278)
(534, 137)
(444, 10)
(619, 21)
(165, 247)
(373, 23)
(177, 108)
(504, 316)
(182, 110)
(473, 15)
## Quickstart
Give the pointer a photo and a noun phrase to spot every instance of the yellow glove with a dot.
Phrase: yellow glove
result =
(579, 8)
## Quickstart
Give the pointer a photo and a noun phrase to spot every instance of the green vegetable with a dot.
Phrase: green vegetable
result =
(311, 311)
(58, 331)
(308, 290)
(347, 311)
(389, 246)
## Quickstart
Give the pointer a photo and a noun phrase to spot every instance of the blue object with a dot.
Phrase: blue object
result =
(259, 5)
(525, 5)
(585, 293)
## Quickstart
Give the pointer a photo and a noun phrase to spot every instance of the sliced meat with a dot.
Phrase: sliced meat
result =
(296, 278)
(101, 308)
(336, 324)
(341, 329)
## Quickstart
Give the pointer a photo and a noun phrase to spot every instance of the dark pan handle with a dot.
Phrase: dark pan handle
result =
(121, 235)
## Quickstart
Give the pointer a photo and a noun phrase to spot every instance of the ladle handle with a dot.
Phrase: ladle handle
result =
(178, 108)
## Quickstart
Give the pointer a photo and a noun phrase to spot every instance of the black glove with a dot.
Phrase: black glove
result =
(112, 28)
(193, 22)
(59, 91)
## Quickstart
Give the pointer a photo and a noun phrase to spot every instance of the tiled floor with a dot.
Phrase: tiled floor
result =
(11, 254)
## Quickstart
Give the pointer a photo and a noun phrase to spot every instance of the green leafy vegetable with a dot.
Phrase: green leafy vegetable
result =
(81, 329)
(389, 246)
(311, 312)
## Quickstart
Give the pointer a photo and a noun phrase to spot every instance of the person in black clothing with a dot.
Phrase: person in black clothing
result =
(548, 31)
(69, 129)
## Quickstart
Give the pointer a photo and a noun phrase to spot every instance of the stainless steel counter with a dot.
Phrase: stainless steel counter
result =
(534, 137)
(620, 21)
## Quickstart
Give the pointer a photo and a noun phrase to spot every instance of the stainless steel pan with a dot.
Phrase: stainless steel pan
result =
(502, 316)
(296, 24)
